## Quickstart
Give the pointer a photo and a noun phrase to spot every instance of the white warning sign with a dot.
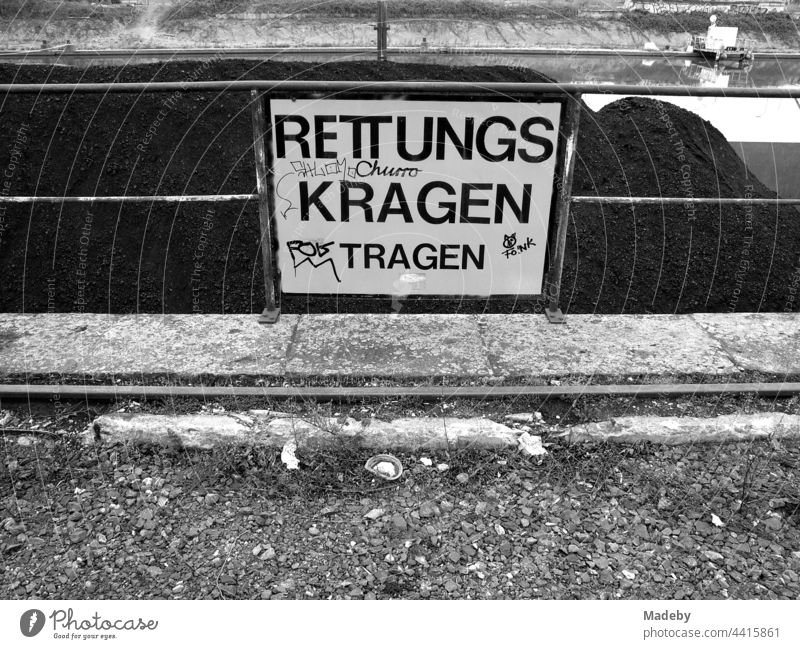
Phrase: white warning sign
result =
(392, 196)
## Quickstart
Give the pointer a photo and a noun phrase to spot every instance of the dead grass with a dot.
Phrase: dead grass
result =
(51, 10)
(420, 9)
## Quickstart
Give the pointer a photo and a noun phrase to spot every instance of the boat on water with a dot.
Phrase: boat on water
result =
(720, 43)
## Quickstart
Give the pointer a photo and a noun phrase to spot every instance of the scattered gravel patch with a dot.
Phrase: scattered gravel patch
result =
(596, 521)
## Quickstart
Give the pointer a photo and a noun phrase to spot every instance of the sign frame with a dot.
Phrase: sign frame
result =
(566, 140)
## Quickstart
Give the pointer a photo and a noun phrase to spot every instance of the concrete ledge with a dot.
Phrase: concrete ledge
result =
(765, 342)
(131, 345)
(431, 433)
(388, 345)
(207, 431)
(395, 347)
(688, 430)
(601, 344)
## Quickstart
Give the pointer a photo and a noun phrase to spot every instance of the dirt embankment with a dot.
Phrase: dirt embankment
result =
(452, 25)
(201, 258)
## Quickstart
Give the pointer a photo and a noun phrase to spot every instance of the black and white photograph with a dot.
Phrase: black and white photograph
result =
(478, 319)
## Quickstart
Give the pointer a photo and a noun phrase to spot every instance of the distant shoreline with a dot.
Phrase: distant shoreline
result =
(507, 28)
(233, 52)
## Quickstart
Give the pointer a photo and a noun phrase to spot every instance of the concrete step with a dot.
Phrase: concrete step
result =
(402, 347)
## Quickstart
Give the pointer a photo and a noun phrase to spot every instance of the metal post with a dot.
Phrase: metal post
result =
(382, 28)
(553, 283)
(272, 310)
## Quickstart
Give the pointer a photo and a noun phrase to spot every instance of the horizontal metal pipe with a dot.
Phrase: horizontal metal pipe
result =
(671, 200)
(397, 87)
(432, 49)
(219, 198)
(201, 198)
(168, 52)
(106, 392)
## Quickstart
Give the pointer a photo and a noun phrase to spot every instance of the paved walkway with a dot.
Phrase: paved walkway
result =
(399, 346)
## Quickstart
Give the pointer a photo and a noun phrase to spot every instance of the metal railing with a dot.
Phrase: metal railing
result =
(330, 89)
(399, 87)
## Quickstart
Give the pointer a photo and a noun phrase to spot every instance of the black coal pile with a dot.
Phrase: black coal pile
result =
(205, 258)
(673, 258)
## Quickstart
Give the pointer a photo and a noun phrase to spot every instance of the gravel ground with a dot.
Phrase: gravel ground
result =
(587, 522)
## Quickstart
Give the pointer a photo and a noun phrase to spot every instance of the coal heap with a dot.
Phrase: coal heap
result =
(205, 258)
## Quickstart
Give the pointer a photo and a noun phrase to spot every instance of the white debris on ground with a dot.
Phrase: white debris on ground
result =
(531, 445)
(524, 417)
(385, 469)
(288, 455)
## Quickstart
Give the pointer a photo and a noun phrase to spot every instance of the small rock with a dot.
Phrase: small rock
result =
(429, 510)
(713, 556)
(269, 553)
(426, 461)
(450, 586)
(774, 523)
(374, 514)
(77, 536)
(399, 523)
(463, 478)
(211, 499)
(629, 574)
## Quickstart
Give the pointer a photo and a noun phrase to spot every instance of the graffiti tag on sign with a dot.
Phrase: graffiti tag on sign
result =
(312, 253)
(512, 248)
